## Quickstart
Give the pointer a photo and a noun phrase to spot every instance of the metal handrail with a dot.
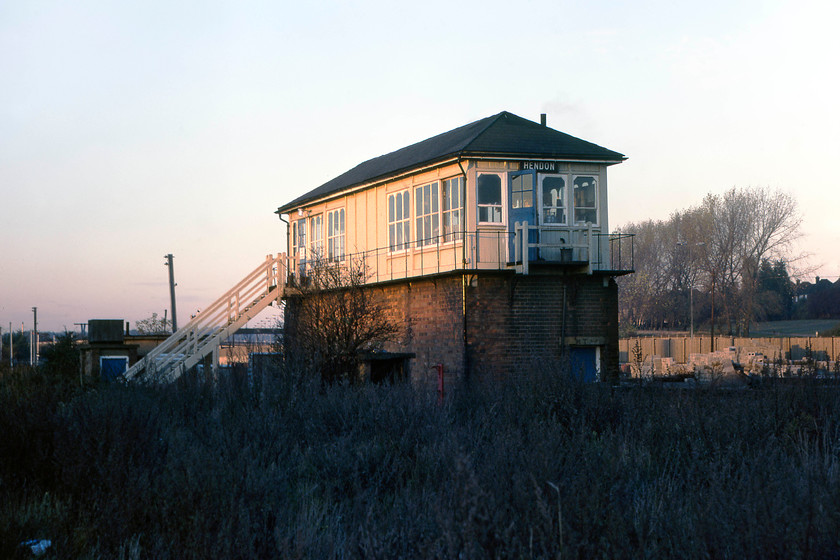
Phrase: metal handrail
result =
(486, 249)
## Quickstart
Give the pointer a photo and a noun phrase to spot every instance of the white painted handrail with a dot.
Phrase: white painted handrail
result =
(198, 338)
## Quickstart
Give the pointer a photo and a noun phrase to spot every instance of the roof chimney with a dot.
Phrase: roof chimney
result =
(542, 119)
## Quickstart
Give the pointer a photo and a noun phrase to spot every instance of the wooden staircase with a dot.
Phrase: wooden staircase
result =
(188, 346)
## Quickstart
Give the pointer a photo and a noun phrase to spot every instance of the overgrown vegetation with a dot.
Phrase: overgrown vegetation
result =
(538, 467)
(334, 319)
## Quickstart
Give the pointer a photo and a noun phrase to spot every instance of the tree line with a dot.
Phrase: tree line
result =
(726, 263)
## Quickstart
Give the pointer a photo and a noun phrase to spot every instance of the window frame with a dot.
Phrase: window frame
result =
(564, 196)
(502, 196)
(430, 218)
(316, 235)
(299, 237)
(456, 233)
(399, 219)
(336, 237)
(595, 180)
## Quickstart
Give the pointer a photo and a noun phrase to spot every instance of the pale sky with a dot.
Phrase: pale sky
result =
(131, 130)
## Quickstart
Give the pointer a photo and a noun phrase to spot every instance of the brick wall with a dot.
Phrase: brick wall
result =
(513, 321)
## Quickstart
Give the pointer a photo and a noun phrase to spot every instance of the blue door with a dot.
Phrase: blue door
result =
(583, 361)
(111, 367)
(523, 208)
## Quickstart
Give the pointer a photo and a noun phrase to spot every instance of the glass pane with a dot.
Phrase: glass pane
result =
(585, 215)
(553, 191)
(585, 191)
(489, 189)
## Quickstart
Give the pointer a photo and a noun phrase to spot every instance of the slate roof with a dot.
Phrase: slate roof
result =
(501, 135)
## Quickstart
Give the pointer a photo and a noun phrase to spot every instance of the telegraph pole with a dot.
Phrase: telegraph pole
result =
(33, 354)
(172, 289)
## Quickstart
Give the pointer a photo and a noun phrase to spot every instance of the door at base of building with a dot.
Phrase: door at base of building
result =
(584, 363)
(111, 367)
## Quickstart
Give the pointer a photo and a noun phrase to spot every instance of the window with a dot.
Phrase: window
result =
(489, 198)
(299, 235)
(553, 196)
(426, 214)
(316, 235)
(522, 191)
(335, 235)
(452, 201)
(585, 197)
(399, 214)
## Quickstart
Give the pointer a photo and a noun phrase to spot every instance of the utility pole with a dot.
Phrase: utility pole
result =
(11, 347)
(33, 354)
(172, 289)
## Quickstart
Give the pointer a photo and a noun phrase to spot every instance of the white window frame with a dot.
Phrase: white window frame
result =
(502, 196)
(427, 214)
(336, 234)
(399, 221)
(298, 236)
(564, 196)
(455, 213)
(316, 236)
(574, 220)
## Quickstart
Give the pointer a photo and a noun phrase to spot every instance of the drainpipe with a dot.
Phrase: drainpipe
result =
(463, 274)
(279, 215)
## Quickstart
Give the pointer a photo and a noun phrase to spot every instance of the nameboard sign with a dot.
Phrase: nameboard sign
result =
(541, 166)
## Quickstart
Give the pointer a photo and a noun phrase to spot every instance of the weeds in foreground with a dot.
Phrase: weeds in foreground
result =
(539, 465)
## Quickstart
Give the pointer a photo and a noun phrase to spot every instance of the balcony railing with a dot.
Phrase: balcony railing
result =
(580, 248)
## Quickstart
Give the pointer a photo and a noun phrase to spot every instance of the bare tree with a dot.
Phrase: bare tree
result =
(154, 325)
(717, 247)
(335, 319)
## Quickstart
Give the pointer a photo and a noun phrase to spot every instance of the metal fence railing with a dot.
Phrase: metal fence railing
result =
(477, 250)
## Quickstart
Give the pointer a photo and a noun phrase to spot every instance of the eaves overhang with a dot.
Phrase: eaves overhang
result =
(310, 199)
(501, 137)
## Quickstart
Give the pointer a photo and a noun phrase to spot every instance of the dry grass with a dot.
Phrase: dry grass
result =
(537, 467)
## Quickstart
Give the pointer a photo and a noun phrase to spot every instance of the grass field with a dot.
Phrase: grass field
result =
(536, 467)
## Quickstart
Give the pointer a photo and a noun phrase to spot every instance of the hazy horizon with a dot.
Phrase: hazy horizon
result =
(131, 131)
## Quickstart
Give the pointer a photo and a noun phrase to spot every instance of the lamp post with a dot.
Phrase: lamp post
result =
(691, 287)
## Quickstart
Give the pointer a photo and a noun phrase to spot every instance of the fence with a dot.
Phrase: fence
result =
(681, 348)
